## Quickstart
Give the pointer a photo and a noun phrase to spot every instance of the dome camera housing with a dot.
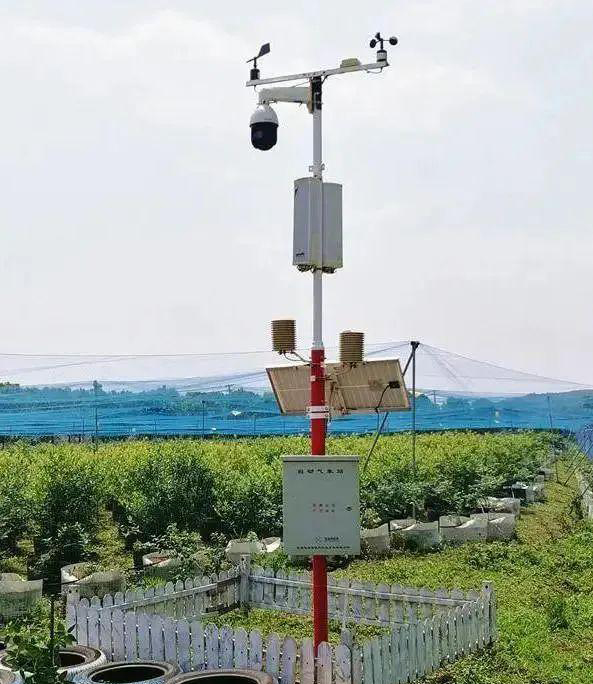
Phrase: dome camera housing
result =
(264, 127)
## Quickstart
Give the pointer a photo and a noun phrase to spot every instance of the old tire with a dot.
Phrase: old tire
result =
(140, 672)
(75, 660)
(223, 677)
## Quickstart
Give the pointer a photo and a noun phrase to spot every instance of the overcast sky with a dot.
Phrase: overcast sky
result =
(137, 218)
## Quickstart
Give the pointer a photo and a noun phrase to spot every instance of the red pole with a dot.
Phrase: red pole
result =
(318, 430)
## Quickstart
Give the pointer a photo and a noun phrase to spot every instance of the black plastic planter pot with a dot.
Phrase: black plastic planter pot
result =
(223, 677)
(141, 672)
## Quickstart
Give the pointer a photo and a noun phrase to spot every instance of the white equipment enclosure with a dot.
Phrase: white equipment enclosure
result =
(321, 505)
(310, 194)
(361, 388)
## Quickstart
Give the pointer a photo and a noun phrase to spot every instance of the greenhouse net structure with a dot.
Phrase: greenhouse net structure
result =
(227, 394)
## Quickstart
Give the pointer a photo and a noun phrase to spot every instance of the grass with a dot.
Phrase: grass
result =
(544, 587)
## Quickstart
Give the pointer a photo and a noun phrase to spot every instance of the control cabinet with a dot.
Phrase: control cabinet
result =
(321, 505)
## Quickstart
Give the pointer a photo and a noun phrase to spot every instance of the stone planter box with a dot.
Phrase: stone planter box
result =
(475, 529)
(502, 505)
(501, 526)
(79, 579)
(452, 520)
(377, 539)
(401, 524)
(422, 535)
(160, 564)
(243, 547)
(17, 596)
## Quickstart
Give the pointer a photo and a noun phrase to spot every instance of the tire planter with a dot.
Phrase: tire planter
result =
(17, 596)
(140, 672)
(78, 581)
(223, 677)
(75, 660)
(9, 677)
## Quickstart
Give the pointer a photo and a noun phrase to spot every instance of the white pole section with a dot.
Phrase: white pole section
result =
(317, 170)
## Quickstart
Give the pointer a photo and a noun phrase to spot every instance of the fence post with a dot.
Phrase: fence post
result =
(488, 593)
(244, 570)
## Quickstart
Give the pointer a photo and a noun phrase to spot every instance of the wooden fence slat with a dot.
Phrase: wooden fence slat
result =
(307, 662)
(241, 648)
(273, 655)
(118, 634)
(386, 659)
(292, 591)
(369, 605)
(396, 671)
(420, 650)
(226, 648)
(255, 650)
(197, 646)
(383, 607)
(343, 665)
(405, 652)
(367, 662)
(131, 631)
(106, 644)
(377, 661)
(268, 588)
(82, 625)
(183, 645)
(144, 650)
(93, 627)
(170, 640)
(356, 602)
(288, 661)
(281, 590)
(156, 638)
(324, 663)
(211, 639)
(356, 655)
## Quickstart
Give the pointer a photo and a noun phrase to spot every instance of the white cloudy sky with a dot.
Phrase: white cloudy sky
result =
(136, 217)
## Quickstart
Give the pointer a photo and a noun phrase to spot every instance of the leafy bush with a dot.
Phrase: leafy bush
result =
(28, 647)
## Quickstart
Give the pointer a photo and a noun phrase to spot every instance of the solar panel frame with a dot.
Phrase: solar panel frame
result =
(348, 389)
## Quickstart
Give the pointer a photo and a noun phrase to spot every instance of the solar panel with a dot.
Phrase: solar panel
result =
(366, 387)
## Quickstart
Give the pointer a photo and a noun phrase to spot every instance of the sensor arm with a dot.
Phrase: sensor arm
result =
(300, 95)
(324, 73)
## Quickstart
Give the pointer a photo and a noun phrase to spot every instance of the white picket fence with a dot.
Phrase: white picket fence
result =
(256, 587)
(423, 629)
(404, 653)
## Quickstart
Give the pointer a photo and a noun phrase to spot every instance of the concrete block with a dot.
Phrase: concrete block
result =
(422, 535)
(539, 479)
(377, 539)
(502, 505)
(539, 491)
(546, 472)
(452, 520)
(475, 529)
(500, 525)
(401, 524)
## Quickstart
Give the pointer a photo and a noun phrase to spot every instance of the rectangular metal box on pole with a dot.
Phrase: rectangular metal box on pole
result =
(310, 194)
(321, 505)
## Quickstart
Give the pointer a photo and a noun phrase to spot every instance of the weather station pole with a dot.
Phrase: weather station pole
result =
(318, 414)
(312, 252)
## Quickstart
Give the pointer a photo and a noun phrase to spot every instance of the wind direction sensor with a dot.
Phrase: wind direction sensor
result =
(254, 72)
